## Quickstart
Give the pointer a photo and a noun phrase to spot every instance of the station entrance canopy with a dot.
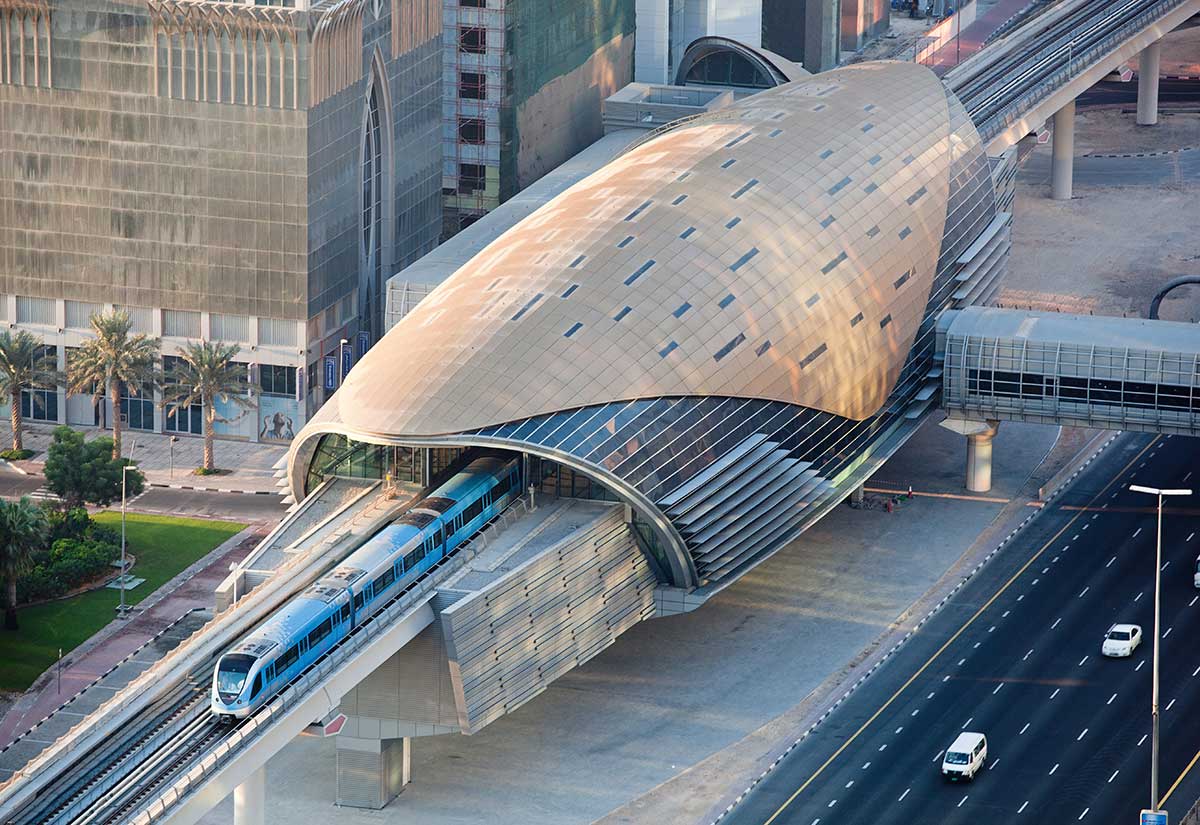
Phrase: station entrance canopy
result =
(1008, 365)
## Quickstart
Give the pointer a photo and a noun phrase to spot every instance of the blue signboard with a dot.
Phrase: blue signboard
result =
(347, 360)
(330, 366)
(1153, 817)
(364, 344)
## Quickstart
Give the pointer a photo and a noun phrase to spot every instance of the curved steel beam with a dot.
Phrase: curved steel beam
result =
(1171, 284)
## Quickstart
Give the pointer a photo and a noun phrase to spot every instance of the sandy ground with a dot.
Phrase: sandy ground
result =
(1113, 129)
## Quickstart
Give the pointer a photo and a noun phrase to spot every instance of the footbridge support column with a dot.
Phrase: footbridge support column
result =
(979, 450)
(250, 799)
(1147, 100)
(1063, 153)
(372, 772)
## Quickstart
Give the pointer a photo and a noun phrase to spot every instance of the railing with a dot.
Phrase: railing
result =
(363, 636)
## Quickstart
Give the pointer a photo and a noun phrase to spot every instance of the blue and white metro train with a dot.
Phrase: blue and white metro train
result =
(313, 622)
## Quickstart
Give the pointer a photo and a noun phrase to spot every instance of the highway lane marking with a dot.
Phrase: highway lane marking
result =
(992, 629)
(1168, 633)
(1190, 535)
(1143, 739)
(1189, 475)
(1197, 670)
(930, 696)
(1082, 734)
(899, 728)
(1027, 655)
(946, 678)
(866, 765)
(906, 790)
(1171, 790)
(1020, 597)
(977, 644)
(1056, 621)
(1110, 561)
(916, 711)
(851, 782)
(938, 757)
(1193, 601)
(883, 747)
(960, 662)
(1114, 776)
(1045, 570)
(815, 821)
(1054, 560)
(1022, 808)
(1139, 667)
(1082, 815)
(1024, 728)
(1114, 495)
(1135, 532)
(1086, 589)
(1168, 707)
(1096, 516)
(945, 645)
(1004, 615)
(1055, 693)
(1035, 581)
(1073, 538)
(1081, 661)
(1084, 527)
(1138, 596)
(997, 690)
(995, 762)
(1165, 565)
(961, 801)
(1114, 696)
(1052, 770)
(832, 802)
(969, 721)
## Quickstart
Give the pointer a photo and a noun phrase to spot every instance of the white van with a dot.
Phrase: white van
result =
(966, 757)
(1196, 577)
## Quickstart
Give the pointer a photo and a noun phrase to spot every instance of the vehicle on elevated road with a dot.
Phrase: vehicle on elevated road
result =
(1121, 640)
(304, 629)
(966, 757)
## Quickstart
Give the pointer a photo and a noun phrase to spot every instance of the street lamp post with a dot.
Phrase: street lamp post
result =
(1154, 491)
(125, 468)
(171, 450)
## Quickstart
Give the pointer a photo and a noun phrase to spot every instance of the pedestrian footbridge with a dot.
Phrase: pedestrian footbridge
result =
(1007, 365)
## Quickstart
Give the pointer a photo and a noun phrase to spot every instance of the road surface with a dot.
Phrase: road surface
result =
(1016, 655)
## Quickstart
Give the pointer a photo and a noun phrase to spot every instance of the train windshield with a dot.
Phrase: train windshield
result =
(231, 673)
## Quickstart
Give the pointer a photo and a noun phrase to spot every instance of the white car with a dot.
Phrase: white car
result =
(1121, 640)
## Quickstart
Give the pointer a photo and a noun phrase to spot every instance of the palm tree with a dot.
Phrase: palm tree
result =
(23, 530)
(24, 364)
(206, 372)
(112, 359)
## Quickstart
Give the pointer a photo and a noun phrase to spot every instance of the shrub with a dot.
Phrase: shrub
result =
(68, 564)
(205, 471)
(15, 455)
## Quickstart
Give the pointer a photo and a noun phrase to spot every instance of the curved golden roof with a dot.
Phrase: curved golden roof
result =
(782, 248)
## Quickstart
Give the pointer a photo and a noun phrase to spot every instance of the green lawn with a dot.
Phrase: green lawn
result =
(163, 546)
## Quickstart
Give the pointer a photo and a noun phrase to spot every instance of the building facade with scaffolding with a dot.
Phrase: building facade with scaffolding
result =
(241, 172)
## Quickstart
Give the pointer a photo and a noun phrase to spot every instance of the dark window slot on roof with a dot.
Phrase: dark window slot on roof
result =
(625, 311)
(813, 356)
(825, 154)
(728, 163)
(905, 232)
(856, 320)
(578, 261)
(742, 261)
(812, 301)
(745, 187)
(819, 106)
(726, 301)
(628, 240)
(738, 139)
(828, 222)
(570, 289)
(638, 211)
(685, 233)
(870, 187)
(839, 186)
(641, 270)
(868, 127)
(668, 349)
(572, 330)
(528, 305)
(909, 160)
(684, 176)
(887, 319)
(873, 231)
(728, 348)
(775, 133)
(493, 286)
(684, 307)
(679, 200)
(916, 196)
(763, 347)
(875, 160)
(868, 107)
(779, 116)
(734, 222)
(832, 265)
(903, 278)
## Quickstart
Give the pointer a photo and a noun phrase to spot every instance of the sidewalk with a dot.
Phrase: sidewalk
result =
(250, 465)
(192, 589)
(971, 39)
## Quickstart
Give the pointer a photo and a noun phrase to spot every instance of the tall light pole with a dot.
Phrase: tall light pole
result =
(125, 468)
(1154, 491)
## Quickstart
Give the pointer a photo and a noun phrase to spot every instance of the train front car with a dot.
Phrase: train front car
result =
(238, 675)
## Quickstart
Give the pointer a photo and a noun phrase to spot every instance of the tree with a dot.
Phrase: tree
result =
(22, 531)
(205, 373)
(24, 364)
(80, 471)
(114, 358)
